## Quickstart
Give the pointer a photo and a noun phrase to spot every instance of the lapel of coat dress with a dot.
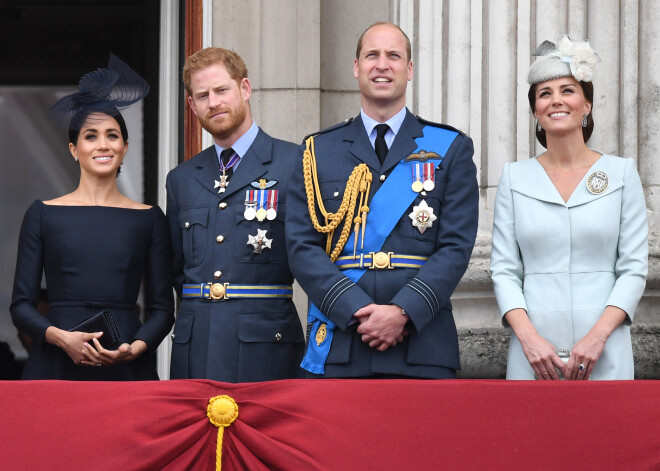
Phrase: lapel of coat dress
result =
(612, 168)
(530, 179)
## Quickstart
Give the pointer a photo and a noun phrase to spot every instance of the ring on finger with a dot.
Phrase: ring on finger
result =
(581, 367)
(99, 364)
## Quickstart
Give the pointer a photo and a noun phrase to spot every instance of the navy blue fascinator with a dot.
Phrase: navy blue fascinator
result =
(104, 90)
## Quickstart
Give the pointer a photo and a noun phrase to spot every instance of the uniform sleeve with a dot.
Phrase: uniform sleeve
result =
(505, 261)
(631, 265)
(27, 278)
(175, 235)
(334, 294)
(425, 295)
(158, 286)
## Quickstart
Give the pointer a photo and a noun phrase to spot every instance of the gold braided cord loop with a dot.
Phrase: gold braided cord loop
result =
(359, 182)
(222, 411)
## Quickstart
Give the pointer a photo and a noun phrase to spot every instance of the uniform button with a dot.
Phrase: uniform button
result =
(278, 337)
(382, 178)
(220, 239)
(222, 205)
(217, 274)
(172, 337)
(187, 225)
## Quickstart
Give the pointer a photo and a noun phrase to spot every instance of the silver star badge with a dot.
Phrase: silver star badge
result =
(222, 183)
(260, 241)
(422, 216)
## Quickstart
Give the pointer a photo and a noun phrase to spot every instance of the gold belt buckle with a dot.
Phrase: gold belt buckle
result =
(381, 260)
(218, 290)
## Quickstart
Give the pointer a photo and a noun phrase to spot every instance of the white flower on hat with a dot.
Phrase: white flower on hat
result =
(579, 55)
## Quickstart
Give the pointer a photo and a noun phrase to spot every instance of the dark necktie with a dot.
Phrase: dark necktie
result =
(380, 144)
(225, 155)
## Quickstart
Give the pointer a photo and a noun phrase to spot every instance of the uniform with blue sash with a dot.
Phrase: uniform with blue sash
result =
(399, 264)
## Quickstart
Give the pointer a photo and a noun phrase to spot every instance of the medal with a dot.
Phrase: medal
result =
(261, 211)
(250, 212)
(417, 184)
(429, 176)
(224, 178)
(222, 184)
(597, 182)
(422, 216)
(271, 212)
(260, 241)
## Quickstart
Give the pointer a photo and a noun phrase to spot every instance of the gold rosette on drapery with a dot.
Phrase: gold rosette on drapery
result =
(222, 411)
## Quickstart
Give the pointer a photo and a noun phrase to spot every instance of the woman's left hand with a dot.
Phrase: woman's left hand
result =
(587, 351)
(98, 356)
(585, 354)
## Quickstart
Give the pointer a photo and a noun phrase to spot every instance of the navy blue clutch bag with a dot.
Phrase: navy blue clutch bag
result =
(104, 322)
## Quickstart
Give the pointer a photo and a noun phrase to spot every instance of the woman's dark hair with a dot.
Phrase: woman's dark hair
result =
(79, 119)
(588, 90)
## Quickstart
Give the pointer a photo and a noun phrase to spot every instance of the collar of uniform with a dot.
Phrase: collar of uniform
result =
(241, 145)
(394, 123)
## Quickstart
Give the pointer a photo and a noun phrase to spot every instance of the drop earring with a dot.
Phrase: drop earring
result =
(76, 159)
(584, 121)
(538, 127)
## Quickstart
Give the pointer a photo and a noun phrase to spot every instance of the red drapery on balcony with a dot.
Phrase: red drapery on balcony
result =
(332, 424)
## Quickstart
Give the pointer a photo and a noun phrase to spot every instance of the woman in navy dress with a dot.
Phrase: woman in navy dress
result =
(94, 246)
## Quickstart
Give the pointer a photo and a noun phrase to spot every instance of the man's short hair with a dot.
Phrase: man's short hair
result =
(382, 23)
(213, 55)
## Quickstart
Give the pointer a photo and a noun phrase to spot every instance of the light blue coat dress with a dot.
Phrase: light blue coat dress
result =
(564, 262)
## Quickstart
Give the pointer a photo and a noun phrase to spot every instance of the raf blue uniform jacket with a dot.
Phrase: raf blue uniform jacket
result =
(233, 340)
(432, 345)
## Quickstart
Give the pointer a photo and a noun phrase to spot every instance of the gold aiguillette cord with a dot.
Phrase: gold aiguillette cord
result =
(359, 182)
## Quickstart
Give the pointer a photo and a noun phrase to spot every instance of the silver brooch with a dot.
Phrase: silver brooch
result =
(597, 182)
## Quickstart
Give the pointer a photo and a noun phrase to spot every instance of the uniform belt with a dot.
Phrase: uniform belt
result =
(380, 261)
(218, 291)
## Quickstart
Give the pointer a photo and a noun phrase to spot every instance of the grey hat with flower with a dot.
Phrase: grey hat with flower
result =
(566, 58)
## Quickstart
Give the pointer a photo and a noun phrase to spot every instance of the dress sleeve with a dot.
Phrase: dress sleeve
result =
(631, 265)
(505, 260)
(158, 287)
(27, 278)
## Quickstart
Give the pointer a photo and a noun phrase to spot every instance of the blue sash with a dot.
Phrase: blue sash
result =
(387, 206)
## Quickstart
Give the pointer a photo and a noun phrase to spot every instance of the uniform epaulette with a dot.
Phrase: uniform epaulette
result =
(331, 128)
(440, 125)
